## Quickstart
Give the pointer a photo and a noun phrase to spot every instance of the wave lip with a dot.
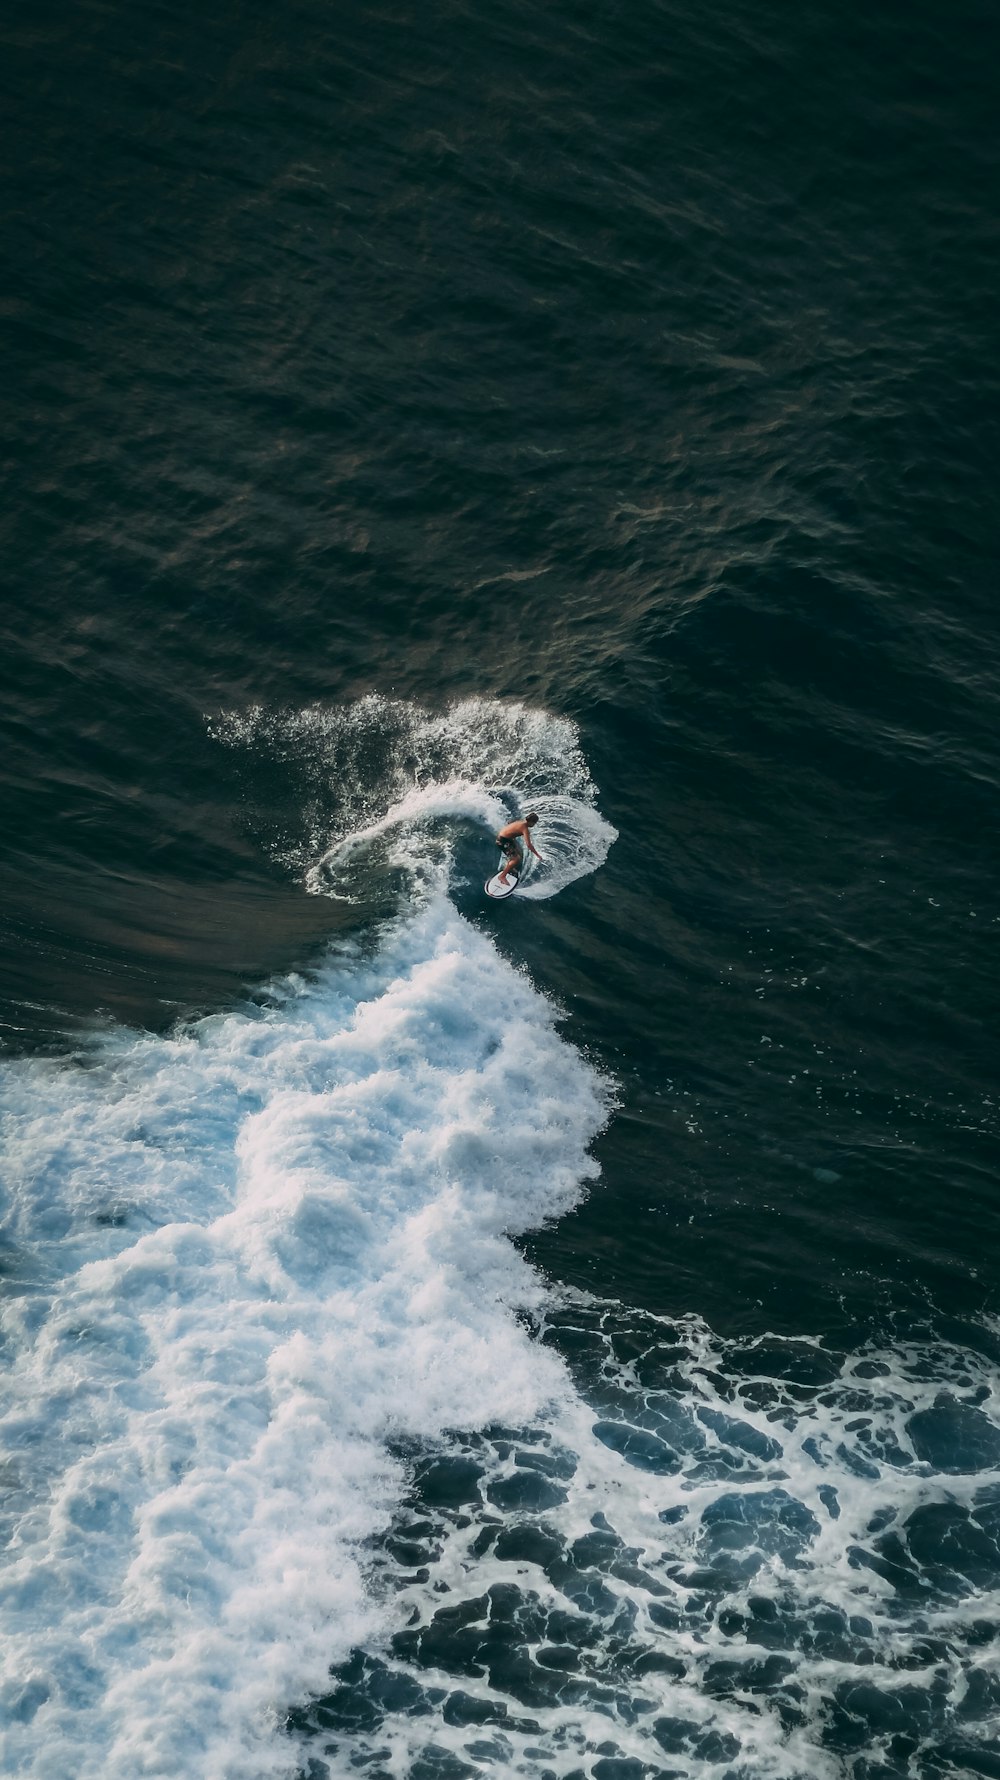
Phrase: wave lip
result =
(259, 1254)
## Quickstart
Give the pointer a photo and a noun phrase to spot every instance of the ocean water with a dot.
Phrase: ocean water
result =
(443, 1340)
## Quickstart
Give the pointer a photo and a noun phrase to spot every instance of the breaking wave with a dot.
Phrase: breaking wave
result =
(282, 1396)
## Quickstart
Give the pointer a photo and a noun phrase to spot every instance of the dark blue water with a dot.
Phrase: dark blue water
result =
(555, 1338)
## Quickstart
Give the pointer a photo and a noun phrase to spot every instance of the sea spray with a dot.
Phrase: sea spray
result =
(383, 786)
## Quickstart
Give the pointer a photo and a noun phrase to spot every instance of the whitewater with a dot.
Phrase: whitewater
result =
(252, 1254)
(305, 1469)
(243, 1260)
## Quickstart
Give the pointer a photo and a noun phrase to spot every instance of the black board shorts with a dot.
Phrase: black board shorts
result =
(511, 849)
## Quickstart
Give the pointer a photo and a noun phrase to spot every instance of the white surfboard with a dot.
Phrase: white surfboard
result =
(496, 889)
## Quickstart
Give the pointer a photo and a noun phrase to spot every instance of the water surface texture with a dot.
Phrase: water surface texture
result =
(445, 1340)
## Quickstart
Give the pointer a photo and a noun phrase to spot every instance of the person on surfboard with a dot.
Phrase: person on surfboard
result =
(509, 841)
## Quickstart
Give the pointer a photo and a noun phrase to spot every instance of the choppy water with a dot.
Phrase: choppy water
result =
(556, 1338)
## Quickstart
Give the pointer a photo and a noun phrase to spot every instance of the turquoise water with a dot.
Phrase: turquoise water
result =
(556, 1337)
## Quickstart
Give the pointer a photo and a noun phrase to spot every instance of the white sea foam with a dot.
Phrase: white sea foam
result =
(755, 1559)
(251, 1255)
(278, 1387)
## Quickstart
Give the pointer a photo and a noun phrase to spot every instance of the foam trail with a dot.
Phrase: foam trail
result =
(252, 1255)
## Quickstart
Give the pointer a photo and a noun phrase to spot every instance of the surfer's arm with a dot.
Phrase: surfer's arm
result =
(532, 849)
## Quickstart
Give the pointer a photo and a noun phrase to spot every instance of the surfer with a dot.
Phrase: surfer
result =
(509, 841)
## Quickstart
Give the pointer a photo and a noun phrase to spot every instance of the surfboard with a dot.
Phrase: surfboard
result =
(494, 887)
